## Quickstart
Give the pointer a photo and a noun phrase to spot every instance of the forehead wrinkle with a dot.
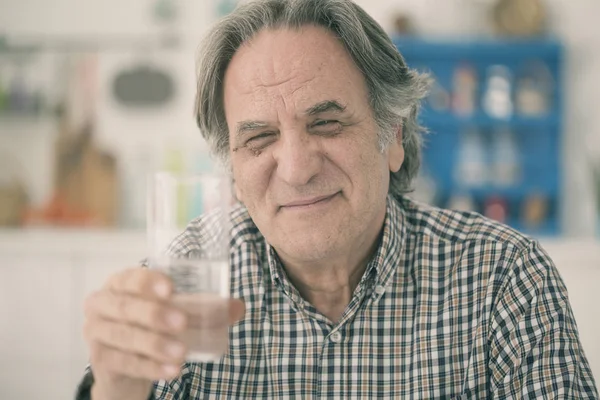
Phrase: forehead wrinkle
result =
(284, 97)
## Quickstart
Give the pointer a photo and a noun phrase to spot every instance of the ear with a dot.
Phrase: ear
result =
(396, 152)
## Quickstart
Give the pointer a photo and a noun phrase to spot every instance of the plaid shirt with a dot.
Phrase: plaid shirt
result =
(451, 306)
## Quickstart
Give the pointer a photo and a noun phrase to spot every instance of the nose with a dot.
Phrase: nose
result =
(298, 158)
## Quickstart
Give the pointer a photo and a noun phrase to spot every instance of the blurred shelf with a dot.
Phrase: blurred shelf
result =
(531, 143)
(442, 119)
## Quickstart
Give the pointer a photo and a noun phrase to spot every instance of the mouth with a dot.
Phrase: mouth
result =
(308, 202)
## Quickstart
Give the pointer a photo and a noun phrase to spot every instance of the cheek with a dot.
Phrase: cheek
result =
(373, 173)
(251, 180)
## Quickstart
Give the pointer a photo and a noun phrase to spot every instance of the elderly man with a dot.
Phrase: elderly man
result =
(344, 287)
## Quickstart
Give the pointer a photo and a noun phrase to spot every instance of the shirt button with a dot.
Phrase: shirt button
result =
(335, 337)
(379, 289)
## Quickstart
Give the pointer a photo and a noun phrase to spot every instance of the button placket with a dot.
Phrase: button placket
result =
(378, 292)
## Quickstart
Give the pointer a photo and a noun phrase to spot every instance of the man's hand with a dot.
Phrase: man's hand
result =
(132, 333)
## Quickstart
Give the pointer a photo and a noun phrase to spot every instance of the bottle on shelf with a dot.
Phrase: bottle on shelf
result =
(471, 166)
(465, 90)
(497, 97)
(534, 210)
(505, 163)
(496, 208)
(533, 91)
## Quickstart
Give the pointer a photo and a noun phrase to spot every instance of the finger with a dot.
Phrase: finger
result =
(133, 339)
(237, 310)
(131, 365)
(141, 282)
(158, 316)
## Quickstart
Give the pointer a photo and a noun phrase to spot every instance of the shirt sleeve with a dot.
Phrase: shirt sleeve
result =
(176, 389)
(534, 347)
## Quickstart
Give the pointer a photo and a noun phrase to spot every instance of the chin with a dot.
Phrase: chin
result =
(311, 245)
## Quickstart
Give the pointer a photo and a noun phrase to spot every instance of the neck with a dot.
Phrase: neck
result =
(329, 289)
(329, 284)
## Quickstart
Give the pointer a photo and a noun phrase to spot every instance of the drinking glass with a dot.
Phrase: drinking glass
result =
(188, 228)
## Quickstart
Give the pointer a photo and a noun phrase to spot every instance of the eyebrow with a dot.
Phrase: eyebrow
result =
(321, 107)
(325, 106)
(248, 126)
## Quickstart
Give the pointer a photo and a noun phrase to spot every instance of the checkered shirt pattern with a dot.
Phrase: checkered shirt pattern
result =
(452, 306)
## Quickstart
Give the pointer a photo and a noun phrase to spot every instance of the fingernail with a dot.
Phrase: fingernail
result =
(161, 289)
(170, 370)
(176, 319)
(174, 349)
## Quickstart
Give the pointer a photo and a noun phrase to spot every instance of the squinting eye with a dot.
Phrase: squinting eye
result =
(325, 122)
(328, 127)
(259, 137)
(260, 141)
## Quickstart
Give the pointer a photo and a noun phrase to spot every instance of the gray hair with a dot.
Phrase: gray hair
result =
(395, 91)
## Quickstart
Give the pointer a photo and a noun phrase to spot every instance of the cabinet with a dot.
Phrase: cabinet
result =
(495, 122)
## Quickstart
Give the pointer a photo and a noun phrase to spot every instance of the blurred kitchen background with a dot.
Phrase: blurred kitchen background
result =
(94, 95)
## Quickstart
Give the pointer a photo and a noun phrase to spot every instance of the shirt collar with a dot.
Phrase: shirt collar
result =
(382, 266)
(386, 260)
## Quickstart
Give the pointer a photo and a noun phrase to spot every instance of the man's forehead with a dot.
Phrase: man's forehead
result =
(297, 73)
(292, 60)
(282, 50)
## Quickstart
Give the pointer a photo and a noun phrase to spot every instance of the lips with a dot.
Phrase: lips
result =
(308, 201)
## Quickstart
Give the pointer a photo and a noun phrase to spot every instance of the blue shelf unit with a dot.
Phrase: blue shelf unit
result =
(536, 136)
